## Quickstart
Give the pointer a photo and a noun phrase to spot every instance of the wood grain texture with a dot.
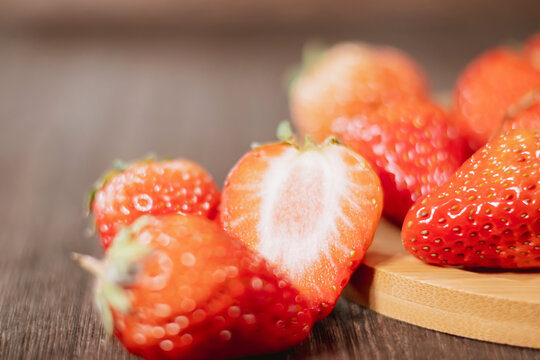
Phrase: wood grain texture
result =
(501, 307)
(70, 105)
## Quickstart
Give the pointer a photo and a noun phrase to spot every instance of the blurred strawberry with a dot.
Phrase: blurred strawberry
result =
(179, 287)
(487, 87)
(349, 79)
(151, 187)
(410, 146)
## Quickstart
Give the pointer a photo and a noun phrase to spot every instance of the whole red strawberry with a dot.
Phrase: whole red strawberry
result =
(486, 89)
(178, 287)
(152, 187)
(410, 146)
(487, 215)
(312, 210)
(349, 79)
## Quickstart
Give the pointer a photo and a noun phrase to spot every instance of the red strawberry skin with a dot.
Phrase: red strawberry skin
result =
(201, 294)
(485, 90)
(155, 187)
(488, 214)
(410, 146)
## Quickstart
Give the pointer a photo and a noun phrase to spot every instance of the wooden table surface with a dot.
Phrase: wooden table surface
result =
(70, 104)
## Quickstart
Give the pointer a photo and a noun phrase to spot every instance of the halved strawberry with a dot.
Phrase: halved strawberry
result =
(487, 215)
(311, 210)
(179, 287)
(151, 187)
(349, 79)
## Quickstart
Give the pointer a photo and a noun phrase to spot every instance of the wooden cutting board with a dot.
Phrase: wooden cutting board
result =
(502, 307)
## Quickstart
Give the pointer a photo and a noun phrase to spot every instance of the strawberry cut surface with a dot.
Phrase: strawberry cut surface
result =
(310, 211)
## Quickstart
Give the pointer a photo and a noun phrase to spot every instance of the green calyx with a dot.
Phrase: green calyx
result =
(118, 269)
(312, 52)
(118, 167)
(311, 144)
(285, 133)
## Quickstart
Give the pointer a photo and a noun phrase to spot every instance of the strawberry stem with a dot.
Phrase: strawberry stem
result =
(90, 264)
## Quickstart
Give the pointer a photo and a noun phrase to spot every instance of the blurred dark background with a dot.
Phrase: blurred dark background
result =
(174, 76)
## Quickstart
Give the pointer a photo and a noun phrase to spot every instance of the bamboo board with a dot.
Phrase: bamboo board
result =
(501, 307)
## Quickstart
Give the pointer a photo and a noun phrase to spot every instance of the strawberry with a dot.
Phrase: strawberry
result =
(524, 114)
(151, 187)
(485, 90)
(349, 79)
(532, 50)
(311, 210)
(177, 286)
(488, 214)
(409, 145)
